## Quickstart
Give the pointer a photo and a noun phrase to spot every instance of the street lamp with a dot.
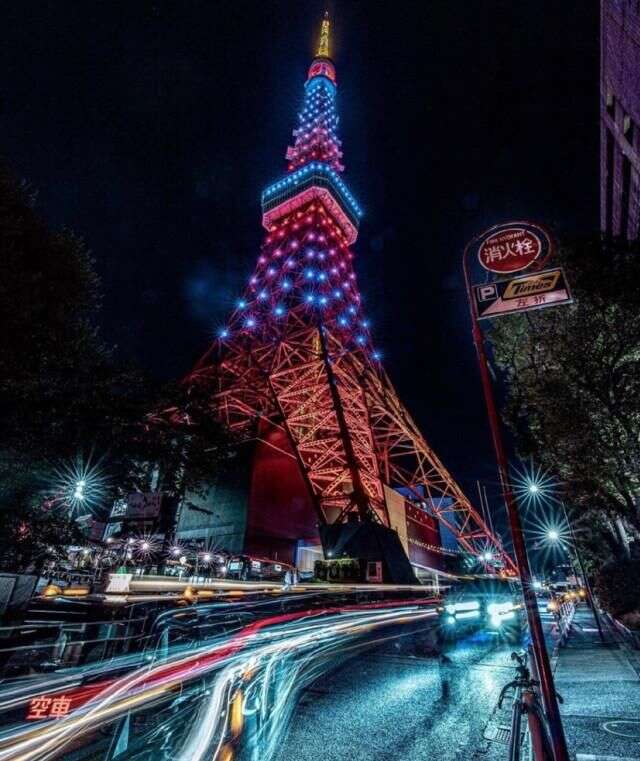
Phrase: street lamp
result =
(585, 578)
(79, 490)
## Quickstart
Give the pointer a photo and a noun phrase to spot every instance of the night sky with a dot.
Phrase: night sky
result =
(150, 128)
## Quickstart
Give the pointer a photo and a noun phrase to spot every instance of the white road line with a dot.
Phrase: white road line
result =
(591, 757)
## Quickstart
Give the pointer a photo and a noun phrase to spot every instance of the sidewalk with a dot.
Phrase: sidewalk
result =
(600, 685)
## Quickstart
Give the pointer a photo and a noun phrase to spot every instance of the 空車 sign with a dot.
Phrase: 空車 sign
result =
(522, 293)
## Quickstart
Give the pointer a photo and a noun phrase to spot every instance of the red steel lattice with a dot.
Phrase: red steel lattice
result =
(297, 351)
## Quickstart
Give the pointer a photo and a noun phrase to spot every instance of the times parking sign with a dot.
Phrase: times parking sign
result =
(521, 294)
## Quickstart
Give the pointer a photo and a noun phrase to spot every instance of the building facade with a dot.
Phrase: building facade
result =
(620, 118)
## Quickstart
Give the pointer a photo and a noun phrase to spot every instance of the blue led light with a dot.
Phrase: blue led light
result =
(286, 285)
(250, 322)
(318, 167)
(279, 311)
(310, 298)
(337, 293)
(242, 304)
(360, 340)
(309, 274)
(262, 295)
(223, 333)
(323, 300)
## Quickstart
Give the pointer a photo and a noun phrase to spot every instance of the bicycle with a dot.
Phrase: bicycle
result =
(526, 701)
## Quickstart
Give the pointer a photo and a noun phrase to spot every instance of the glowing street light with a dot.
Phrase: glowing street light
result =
(207, 557)
(553, 535)
(80, 484)
(534, 487)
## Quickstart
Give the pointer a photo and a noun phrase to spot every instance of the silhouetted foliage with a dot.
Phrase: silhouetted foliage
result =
(64, 393)
(573, 389)
(617, 586)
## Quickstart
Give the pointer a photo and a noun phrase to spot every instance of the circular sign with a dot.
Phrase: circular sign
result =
(512, 247)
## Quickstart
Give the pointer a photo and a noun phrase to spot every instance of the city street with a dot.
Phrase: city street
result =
(387, 705)
(320, 381)
(217, 694)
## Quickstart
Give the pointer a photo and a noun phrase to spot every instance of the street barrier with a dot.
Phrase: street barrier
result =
(566, 613)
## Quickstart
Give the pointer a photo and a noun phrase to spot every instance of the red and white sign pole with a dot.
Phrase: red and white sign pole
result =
(522, 561)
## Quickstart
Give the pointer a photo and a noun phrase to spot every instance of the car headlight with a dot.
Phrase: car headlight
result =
(499, 608)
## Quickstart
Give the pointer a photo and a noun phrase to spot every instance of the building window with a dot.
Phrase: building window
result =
(625, 197)
(609, 170)
(611, 105)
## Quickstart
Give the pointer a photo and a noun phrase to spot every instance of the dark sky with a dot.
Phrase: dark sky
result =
(150, 129)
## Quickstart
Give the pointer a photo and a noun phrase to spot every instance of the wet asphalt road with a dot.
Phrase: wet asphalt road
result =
(383, 705)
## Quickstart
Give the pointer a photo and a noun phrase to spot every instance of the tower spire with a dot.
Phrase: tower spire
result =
(323, 47)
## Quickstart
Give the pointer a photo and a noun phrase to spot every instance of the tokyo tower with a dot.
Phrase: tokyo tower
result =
(295, 368)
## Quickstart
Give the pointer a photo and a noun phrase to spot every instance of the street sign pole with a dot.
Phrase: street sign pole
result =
(522, 561)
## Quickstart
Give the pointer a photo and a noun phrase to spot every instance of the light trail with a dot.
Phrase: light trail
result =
(248, 682)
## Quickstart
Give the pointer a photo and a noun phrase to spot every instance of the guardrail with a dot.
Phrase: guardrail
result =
(566, 613)
(135, 584)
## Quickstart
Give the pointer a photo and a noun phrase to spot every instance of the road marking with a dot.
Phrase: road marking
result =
(590, 757)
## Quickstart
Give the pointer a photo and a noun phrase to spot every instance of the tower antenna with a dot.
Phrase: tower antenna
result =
(323, 47)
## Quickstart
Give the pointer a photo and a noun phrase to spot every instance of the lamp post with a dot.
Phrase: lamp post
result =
(540, 654)
(554, 536)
